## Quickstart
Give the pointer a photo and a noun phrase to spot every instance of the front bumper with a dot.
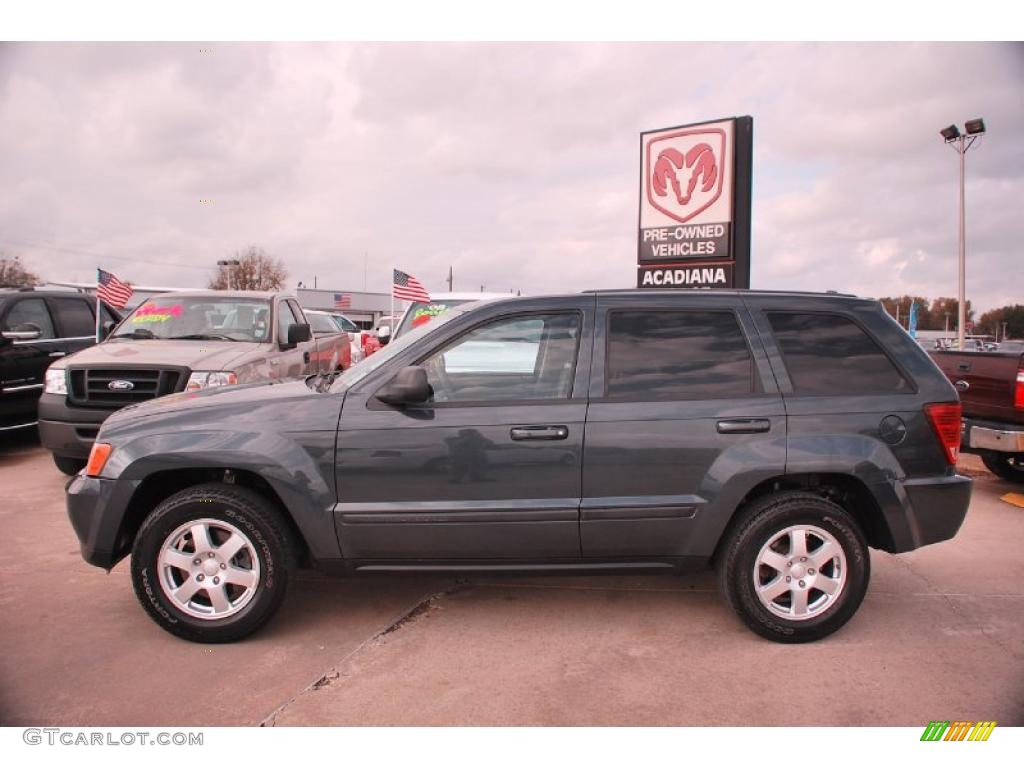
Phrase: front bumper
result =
(976, 436)
(68, 431)
(90, 502)
(935, 509)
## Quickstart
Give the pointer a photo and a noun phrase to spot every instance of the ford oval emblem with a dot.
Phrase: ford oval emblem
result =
(120, 385)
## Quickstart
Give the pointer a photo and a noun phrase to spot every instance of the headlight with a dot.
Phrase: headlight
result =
(56, 381)
(206, 379)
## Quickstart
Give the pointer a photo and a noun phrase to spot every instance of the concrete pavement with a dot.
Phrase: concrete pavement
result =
(940, 636)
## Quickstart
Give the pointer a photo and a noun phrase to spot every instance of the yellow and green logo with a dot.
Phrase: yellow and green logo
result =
(958, 730)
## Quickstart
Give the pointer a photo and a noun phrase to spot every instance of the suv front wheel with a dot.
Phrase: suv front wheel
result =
(795, 567)
(211, 563)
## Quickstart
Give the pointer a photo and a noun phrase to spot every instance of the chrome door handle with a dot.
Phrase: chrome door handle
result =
(743, 426)
(550, 432)
(57, 354)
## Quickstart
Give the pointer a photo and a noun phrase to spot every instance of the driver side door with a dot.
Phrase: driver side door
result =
(489, 468)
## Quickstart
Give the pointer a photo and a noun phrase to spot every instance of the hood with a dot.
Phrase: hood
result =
(187, 353)
(238, 399)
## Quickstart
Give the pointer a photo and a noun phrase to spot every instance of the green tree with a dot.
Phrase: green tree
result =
(925, 321)
(255, 270)
(14, 274)
(944, 306)
(992, 321)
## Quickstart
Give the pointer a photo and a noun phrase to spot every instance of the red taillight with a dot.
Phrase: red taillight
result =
(1018, 392)
(945, 419)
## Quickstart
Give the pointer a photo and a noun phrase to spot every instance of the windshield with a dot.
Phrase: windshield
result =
(198, 317)
(321, 323)
(420, 312)
(345, 324)
(361, 370)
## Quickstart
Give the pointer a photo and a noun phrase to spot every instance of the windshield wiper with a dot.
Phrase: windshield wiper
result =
(137, 333)
(204, 337)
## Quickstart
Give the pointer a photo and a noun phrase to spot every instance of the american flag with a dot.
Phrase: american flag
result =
(111, 290)
(408, 288)
(342, 300)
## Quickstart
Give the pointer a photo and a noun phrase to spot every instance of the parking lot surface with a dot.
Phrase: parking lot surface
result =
(940, 636)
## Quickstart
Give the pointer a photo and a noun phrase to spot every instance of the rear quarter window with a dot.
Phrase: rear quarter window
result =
(828, 354)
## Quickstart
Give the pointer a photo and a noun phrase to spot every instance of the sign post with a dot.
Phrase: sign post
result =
(695, 185)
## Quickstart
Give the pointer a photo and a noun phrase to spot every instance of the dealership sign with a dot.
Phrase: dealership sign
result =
(695, 206)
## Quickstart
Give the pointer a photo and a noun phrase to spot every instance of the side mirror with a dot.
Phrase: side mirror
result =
(297, 333)
(384, 334)
(409, 386)
(106, 329)
(23, 332)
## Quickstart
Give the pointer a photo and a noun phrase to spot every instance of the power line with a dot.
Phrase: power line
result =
(79, 251)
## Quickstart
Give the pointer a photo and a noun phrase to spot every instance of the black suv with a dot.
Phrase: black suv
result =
(774, 436)
(36, 328)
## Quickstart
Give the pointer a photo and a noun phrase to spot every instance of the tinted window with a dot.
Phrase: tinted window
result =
(677, 356)
(831, 354)
(523, 358)
(30, 312)
(75, 317)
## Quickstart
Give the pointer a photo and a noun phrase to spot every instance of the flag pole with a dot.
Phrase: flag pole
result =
(98, 339)
(391, 318)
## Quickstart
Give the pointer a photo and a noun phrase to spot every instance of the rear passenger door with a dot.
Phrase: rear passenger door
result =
(684, 411)
(76, 321)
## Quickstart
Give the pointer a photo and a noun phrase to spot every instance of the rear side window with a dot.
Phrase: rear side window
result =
(831, 354)
(676, 355)
(75, 317)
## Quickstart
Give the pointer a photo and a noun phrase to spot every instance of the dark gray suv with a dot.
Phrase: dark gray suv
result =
(774, 436)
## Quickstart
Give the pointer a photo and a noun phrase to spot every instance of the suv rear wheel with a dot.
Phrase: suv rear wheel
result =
(1009, 466)
(795, 567)
(211, 563)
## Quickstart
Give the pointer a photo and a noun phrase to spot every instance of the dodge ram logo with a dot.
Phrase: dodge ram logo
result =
(684, 171)
(120, 385)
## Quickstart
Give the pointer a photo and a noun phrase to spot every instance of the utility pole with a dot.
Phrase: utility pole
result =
(450, 279)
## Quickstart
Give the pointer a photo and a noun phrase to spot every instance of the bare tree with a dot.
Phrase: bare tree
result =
(13, 273)
(250, 269)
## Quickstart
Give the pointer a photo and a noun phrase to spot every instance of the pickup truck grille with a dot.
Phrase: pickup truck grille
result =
(91, 386)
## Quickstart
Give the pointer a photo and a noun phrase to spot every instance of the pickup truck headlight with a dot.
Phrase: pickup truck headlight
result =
(56, 381)
(205, 379)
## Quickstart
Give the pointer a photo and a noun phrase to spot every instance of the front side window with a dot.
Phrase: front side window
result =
(198, 317)
(30, 312)
(678, 355)
(285, 319)
(831, 354)
(513, 359)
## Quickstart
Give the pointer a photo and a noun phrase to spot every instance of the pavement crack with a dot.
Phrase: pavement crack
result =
(947, 598)
(422, 607)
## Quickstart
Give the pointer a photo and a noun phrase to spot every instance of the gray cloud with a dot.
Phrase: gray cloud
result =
(515, 163)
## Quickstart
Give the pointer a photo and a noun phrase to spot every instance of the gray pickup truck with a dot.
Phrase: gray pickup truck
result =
(775, 436)
(173, 342)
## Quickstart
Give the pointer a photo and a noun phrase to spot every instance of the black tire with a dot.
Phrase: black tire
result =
(764, 520)
(1008, 466)
(249, 513)
(69, 465)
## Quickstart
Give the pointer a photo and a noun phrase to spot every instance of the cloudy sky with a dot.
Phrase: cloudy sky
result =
(516, 164)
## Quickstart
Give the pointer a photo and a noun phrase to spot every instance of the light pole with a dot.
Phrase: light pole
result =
(231, 272)
(961, 142)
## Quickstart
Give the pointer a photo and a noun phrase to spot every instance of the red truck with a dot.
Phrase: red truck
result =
(991, 387)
